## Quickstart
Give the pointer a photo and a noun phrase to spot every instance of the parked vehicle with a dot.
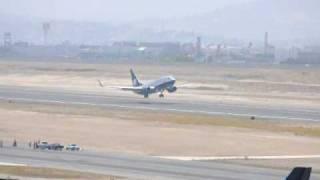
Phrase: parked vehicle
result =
(73, 147)
(56, 147)
(43, 145)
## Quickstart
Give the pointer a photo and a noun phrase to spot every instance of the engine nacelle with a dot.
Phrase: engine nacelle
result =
(172, 89)
(146, 91)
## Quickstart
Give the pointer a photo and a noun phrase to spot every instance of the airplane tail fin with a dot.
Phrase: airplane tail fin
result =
(135, 81)
(300, 173)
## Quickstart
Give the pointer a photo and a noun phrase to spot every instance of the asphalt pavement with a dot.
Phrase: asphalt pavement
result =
(136, 166)
(42, 95)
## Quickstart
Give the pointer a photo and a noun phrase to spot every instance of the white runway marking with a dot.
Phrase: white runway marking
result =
(215, 158)
(160, 109)
(11, 164)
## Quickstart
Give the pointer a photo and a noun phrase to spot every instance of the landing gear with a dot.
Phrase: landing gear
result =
(161, 95)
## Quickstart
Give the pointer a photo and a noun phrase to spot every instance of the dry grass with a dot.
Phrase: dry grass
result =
(195, 71)
(302, 129)
(51, 173)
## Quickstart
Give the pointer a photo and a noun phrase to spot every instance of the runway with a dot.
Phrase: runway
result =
(41, 95)
(138, 167)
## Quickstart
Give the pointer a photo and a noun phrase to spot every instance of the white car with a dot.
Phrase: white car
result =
(73, 147)
(43, 145)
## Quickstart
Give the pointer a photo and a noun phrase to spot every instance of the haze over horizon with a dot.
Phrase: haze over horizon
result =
(83, 21)
(111, 10)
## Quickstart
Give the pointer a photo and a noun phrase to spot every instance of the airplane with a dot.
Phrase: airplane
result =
(165, 83)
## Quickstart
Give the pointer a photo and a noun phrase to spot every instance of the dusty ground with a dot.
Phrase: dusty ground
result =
(23, 172)
(155, 134)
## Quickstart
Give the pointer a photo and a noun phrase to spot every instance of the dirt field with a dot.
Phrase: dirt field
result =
(155, 134)
(23, 172)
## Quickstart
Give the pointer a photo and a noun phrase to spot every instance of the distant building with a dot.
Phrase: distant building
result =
(45, 28)
(188, 48)
(307, 55)
(125, 44)
(198, 47)
(269, 50)
(7, 39)
(266, 43)
(146, 49)
(21, 44)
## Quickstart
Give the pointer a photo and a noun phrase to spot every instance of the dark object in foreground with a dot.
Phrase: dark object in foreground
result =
(300, 173)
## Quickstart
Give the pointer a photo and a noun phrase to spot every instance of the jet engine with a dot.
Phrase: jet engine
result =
(147, 90)
(172, 89)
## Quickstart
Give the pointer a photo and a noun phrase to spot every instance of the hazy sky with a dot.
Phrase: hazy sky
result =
(110, 10)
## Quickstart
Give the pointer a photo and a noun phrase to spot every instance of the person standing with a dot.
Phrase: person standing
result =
(15, 143)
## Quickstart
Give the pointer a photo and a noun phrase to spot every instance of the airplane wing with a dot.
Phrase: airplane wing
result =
(129, 88)
(202, 86)
(135, 89)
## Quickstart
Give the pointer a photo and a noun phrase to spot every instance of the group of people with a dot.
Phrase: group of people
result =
(14, 144)
(34, 145)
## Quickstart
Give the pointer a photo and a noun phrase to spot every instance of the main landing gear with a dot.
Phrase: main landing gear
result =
(161, 95)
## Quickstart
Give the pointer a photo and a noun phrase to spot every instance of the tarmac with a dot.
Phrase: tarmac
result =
(44, 95)
(136, 166)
